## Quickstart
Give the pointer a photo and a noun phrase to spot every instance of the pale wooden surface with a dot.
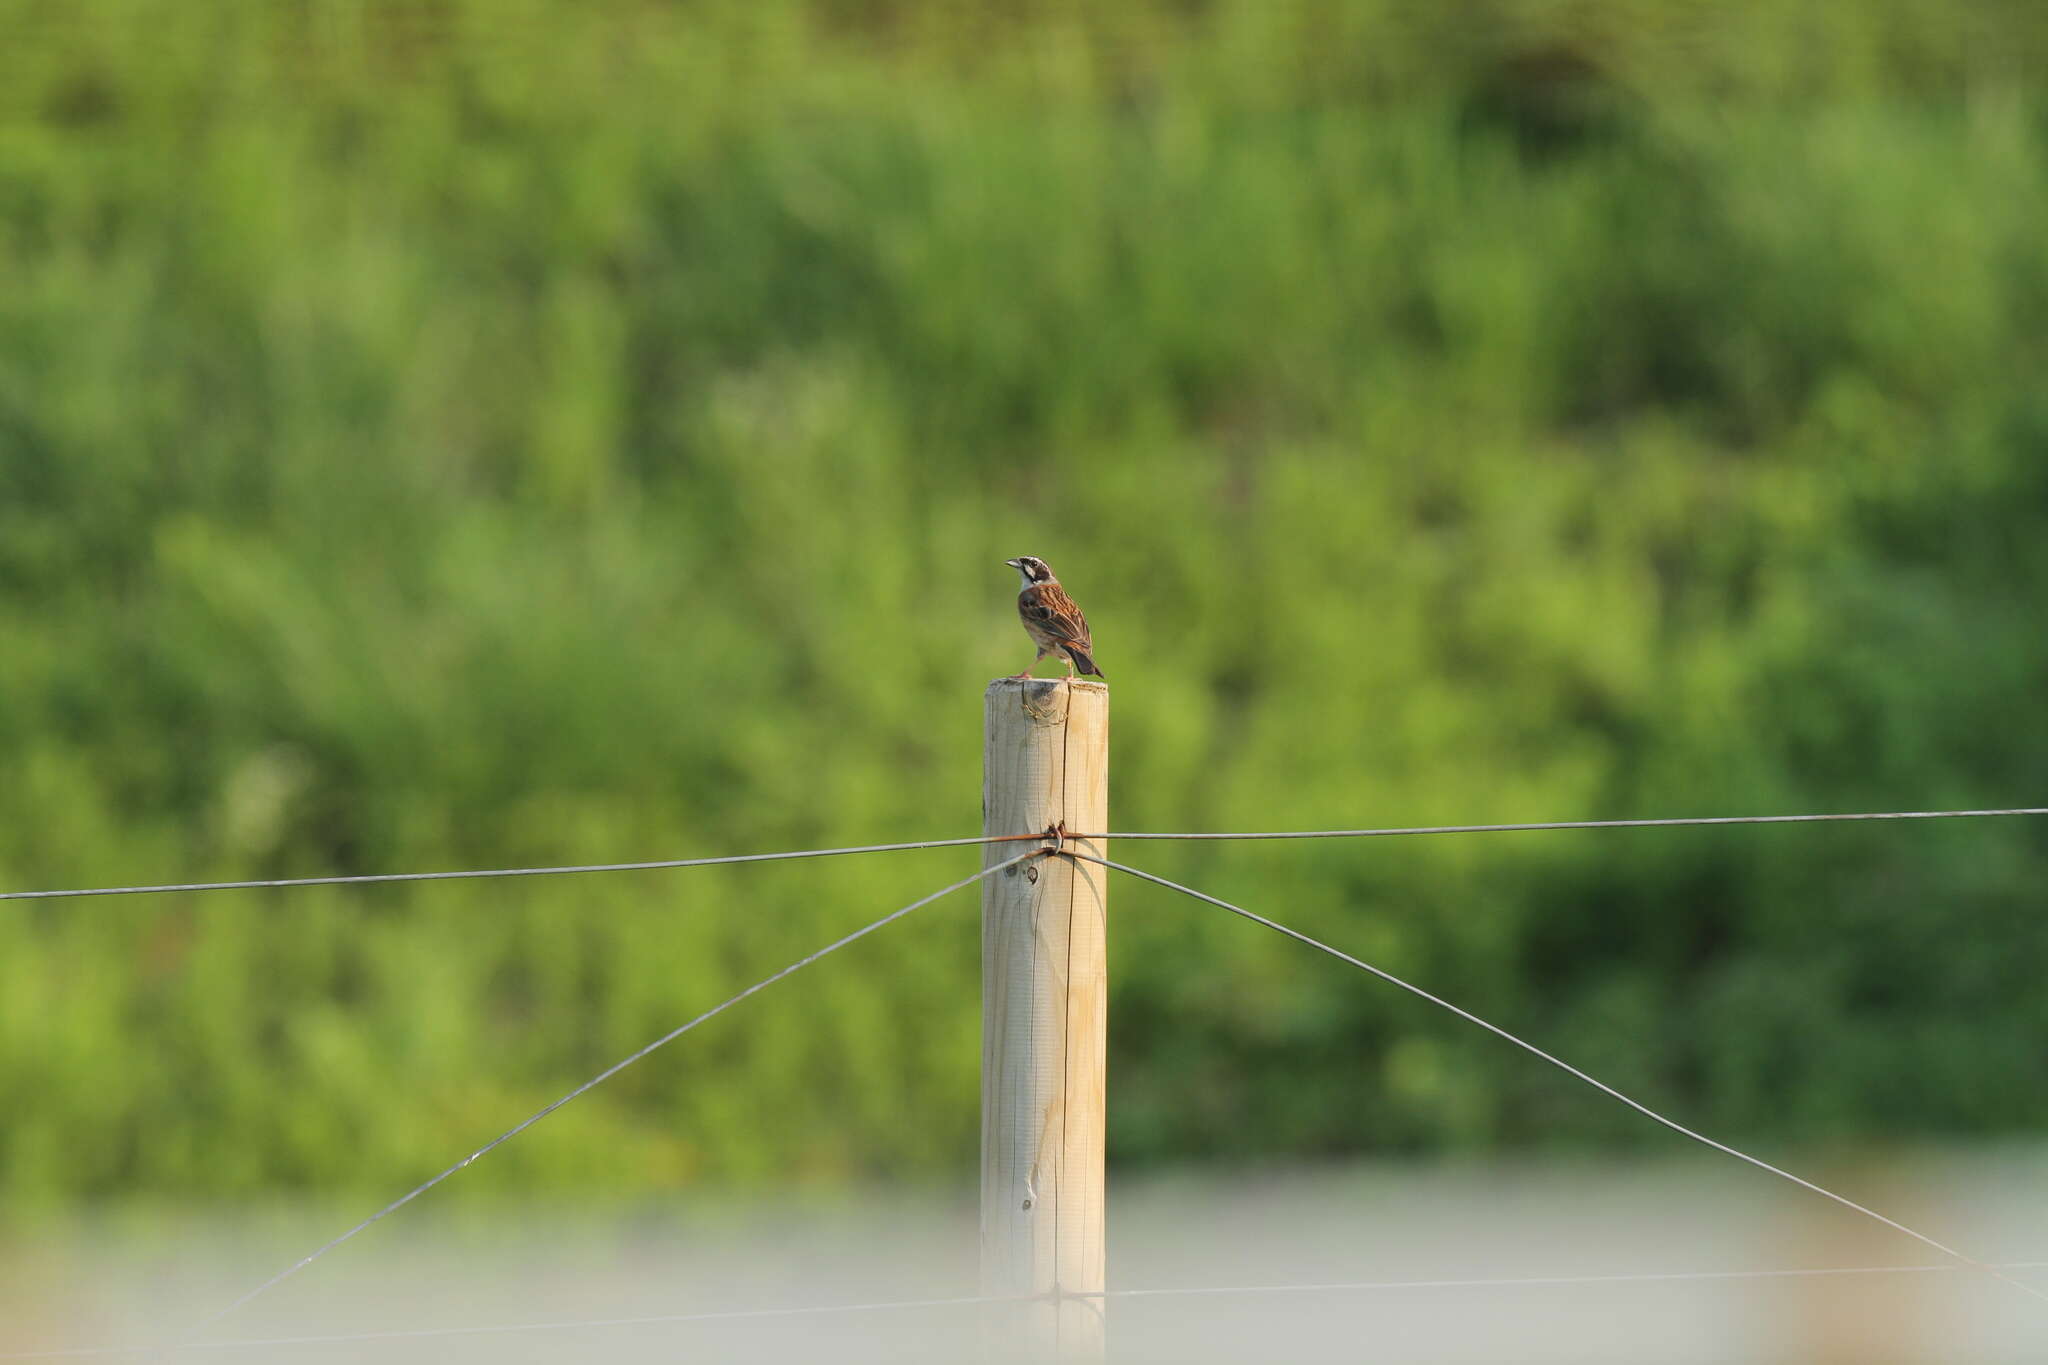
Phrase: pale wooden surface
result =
(1045, 1012)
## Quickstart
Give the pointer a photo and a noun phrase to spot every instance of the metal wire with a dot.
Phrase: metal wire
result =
(371, 878)
(1560, 1064)
(614, 1070)
(508, 871)
(1199, 1291)
(989, 839)
(1592, 824)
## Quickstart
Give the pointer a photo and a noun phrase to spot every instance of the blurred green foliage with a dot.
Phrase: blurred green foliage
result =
(469, 434)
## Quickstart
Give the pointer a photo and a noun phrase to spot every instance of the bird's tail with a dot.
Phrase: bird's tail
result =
(1084, 663)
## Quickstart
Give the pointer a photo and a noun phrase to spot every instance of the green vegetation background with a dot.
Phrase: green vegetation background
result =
(469, 434)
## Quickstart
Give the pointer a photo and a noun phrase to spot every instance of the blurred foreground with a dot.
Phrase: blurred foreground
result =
(540, 1274)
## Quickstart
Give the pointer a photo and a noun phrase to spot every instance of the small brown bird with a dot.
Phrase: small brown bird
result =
(1051, 619)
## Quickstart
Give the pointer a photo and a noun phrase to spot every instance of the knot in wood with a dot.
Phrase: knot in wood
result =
(1046, 702)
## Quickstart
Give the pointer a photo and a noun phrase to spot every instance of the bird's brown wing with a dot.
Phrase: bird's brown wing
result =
(1056, 614)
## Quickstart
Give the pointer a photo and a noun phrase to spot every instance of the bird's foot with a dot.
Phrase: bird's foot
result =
(1020, 677)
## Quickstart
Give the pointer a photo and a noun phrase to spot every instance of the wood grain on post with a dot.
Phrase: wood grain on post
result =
(1044, 1021)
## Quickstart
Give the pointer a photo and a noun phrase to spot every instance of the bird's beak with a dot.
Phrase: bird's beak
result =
(1011, 562)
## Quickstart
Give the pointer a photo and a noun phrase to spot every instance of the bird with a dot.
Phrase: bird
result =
(1051, 619)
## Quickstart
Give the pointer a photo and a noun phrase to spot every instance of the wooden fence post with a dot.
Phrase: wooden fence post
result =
(1044, 1017)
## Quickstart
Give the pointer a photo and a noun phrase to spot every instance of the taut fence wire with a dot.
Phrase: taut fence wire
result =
(373, 878)
(1669, 823)
(1051, 843)
(377, 877)
(613, 1070)
(1559, 1063)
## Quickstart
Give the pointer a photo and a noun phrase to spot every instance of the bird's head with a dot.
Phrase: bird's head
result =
(1032, 570)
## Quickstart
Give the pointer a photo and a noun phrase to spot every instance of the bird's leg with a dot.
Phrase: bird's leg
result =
(1070, 666)
(1019, 677)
